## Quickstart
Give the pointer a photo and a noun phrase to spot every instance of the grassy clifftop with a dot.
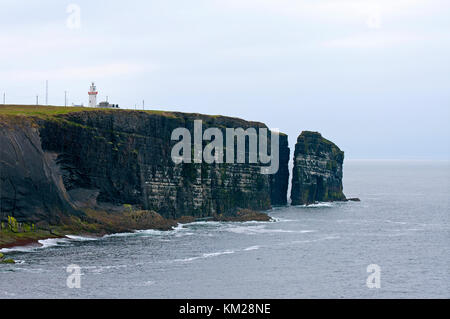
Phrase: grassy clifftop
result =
(42, 111)
(9, 112)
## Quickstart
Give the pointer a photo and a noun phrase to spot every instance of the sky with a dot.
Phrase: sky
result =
(372, 76)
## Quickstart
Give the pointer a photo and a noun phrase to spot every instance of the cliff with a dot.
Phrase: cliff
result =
(317, 172)
(91, 167)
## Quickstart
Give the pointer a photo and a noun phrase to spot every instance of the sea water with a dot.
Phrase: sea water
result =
(320, 251)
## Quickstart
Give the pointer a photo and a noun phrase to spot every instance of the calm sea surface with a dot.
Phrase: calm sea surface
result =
(321, 251)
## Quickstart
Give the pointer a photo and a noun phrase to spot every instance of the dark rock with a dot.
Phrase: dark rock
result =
(317, 172)
(186, 219)
(243, 215)
(353, 199)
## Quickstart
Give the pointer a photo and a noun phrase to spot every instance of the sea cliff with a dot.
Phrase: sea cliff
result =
(66, 170)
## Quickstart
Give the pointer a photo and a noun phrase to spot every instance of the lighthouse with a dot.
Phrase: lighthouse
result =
(93, 95)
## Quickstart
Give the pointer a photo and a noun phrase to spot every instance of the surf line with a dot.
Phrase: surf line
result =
(192, 309)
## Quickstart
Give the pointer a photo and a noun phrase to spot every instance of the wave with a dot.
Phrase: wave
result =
(318, 205)
(181, 230)
(100, 269)
(261, 229)
(141, 232)
(41, 244)
(154, 232)
(226, 252)
(21, 249)
(206, 255)
(51, 242)
(283, 220)
(395, 222)
(178, 227)
(221, 223)
(204, 222)
(119, 235)
(252, 248)
(82, 238)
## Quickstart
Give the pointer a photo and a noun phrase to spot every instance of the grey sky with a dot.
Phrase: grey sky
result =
(372, 76)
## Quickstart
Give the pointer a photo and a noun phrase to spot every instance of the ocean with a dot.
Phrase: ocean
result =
(320, 251)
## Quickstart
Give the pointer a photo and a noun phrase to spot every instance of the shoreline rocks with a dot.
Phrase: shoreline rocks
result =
(4, 260)
(243, 215)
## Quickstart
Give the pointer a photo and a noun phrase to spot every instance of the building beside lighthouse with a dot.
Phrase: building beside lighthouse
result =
(92, 95)
(93, 99)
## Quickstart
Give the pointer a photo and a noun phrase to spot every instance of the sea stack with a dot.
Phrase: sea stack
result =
(317, 172)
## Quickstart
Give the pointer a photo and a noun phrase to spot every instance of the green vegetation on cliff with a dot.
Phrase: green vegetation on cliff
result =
(42, 111)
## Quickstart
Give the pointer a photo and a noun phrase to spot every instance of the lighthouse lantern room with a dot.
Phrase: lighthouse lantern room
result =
(93, 95)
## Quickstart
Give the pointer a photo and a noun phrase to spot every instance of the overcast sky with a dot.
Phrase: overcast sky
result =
(372, 76)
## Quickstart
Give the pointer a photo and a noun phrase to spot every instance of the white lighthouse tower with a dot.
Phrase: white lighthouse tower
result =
(93, 95)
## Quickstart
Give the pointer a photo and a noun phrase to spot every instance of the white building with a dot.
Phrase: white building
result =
(106, 104)
(93, 95)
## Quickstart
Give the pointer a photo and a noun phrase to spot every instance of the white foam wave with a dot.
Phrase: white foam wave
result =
(151, 232)
(226, 252)
(81, 238)
(178, 227)
(43, 243)
(316, 205)
(282, 220)
(21, 249)
(271, 221)
(206, 255)
(395, 222)
(119, 235)
(204, 222)
(320, 205)
(51, 242)
(188, 259)
(252, 248)
(261, 229)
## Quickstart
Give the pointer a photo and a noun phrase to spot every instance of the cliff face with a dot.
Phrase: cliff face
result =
(317, 172)
(61, 165)
(280, 181)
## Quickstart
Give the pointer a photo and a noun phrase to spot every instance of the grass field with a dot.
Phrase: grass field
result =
(46, 111)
